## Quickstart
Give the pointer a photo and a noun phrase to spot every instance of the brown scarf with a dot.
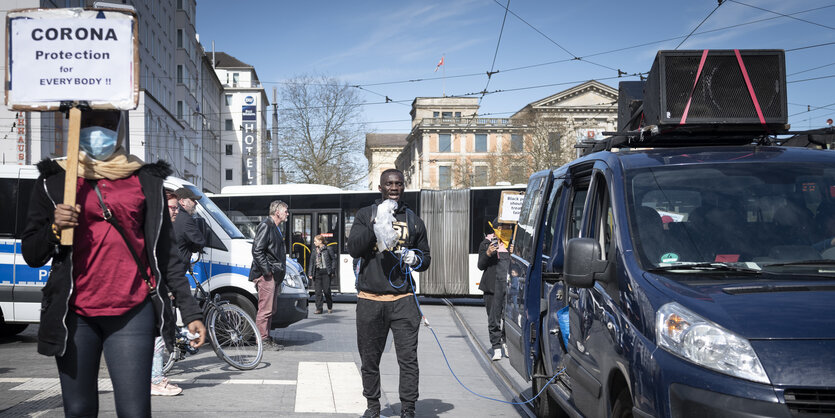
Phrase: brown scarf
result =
(120, 165)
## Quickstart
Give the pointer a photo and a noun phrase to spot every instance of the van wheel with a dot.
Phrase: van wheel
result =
(544, 406)
(10, 330)
(623, 405)
(241, 301)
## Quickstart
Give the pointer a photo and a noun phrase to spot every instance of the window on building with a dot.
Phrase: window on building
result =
(480, 176)
(179, 109)
(480, 142)
(444, 177)
(518, 174)
(235, 79)
(228, 125)
(179, 4)
(228, 100)
(228, 149)
(457, 114)
(516, 143)
(444, 143)
(228, 174)
(446, 115)
(180, 74)
(553, 141)
(436, 114)
(179, 38)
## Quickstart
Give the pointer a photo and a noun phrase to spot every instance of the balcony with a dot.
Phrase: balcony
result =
(467, 122)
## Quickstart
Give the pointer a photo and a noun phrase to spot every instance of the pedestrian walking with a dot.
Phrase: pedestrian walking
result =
(494, 261)
(388, 239)
(107, 293)
(191, 238)
(268, 267)
(322, 268)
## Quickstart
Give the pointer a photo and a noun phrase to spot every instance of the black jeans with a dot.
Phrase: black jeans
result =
(374, 320)
(494, 302)
(128, 345)
(322, 284)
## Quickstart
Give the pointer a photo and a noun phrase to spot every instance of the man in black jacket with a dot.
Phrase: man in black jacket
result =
(267, 272)
(190, 237)
(385, 299)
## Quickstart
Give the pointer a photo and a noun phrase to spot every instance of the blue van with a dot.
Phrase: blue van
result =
(678, 281)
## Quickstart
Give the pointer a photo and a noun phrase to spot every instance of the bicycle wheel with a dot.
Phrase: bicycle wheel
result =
(234, 337)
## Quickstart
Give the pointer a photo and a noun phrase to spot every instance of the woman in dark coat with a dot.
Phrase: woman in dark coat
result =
(98, 299)
(322, 269)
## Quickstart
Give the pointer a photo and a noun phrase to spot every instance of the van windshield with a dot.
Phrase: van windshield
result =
(749, 215)
(217, 214)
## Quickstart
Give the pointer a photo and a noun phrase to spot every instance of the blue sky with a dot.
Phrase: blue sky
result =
(382, 46)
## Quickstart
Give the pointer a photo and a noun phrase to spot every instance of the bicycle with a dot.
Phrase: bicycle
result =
(232, 333)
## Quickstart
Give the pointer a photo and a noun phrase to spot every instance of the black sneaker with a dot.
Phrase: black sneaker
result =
(269, 344)
(371, 413)
(407, 413)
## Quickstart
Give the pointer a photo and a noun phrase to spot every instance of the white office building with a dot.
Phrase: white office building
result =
(244, 122)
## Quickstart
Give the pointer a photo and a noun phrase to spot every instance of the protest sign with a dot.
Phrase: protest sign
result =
(510, 206)
(65, 59)
(72, 55)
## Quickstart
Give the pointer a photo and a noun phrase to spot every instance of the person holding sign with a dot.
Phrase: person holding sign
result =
(494, 261)
(108, 291)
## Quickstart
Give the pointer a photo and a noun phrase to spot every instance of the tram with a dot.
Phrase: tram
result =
(455, 220)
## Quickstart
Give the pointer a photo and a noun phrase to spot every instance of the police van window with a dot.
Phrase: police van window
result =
(523, 243)
(551, 220)
(13, 215)
(8, 187)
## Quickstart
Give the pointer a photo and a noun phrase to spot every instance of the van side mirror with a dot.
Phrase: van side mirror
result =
(583, 265)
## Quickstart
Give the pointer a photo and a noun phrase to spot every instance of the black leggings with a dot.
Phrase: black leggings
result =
(128, 345)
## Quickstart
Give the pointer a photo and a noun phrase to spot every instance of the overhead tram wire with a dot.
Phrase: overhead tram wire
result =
(496, 52)
(700, 24)
(810, 46)
(782, 14)
(574, 57)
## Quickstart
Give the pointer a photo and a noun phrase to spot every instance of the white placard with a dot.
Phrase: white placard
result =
(75, 55)
(511, 206)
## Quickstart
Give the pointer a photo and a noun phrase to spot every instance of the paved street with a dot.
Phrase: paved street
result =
(316, 375)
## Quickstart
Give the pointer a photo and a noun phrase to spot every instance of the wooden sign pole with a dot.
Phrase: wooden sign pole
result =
(71, 180)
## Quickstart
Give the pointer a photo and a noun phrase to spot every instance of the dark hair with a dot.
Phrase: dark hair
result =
(391, 170)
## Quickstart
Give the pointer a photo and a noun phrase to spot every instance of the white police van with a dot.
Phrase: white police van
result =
(223, 268)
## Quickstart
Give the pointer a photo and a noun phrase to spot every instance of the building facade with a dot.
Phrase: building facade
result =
(168, 123)
(449, 146)
(244, 122)
(382, 150)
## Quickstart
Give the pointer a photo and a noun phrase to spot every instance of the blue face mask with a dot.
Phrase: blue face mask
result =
(99, 143)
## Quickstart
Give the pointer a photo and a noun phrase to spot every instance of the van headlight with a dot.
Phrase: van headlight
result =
(294, 280)
(685, 334)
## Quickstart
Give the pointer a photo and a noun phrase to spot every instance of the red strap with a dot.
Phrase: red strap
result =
(689, 99)
(750, 87)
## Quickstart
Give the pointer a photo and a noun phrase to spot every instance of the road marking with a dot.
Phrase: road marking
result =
(329, 387)
(105, 385)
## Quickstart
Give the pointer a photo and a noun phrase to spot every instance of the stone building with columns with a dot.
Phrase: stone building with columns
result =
(449, 146)
(382, 150)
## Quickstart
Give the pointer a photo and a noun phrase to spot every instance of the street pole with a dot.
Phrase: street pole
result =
(276, 158)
